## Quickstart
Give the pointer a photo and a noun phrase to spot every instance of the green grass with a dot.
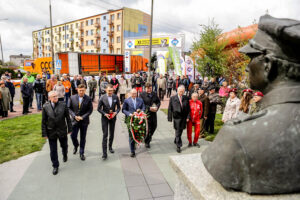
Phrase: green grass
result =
(218, 126)
(20, 136)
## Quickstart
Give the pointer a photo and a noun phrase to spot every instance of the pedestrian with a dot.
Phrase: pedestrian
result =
(109, 107)
(92, 87)
(25, 90)
(194, 89)
(30, 82)
(138, 82)
(198, 81)
(80, 108)
(131, 105)
(38, 87)
(170, 85)
(177, 83)
(122, 88)
(161, 85)
(51, 83)
(232, 106)
(214, 100)
(255, 106)
(82, 80)
(205, 84)
(178, 111)
(154, 83)
(186, 83)
(56, 125)
(74, 84)
(144, 78)
(6, 99)
(115, 83)
(67, 84)
(152, 104)
(103, 85)
(45, 93)
(196, 111)
(12, 91)
(19, 74)
(245, 102)
(60, 90)
(205, 106)
(224, 93)
(213, 83)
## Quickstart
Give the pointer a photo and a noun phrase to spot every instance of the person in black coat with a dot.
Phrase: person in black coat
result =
(26, 95)
(74, 84)
(80, 108)
(56, 124)
(11, 88)
(179, 110)
(152, 104)
(115, 83)
(109, 107)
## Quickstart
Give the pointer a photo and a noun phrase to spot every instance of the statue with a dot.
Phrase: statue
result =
(260, 154)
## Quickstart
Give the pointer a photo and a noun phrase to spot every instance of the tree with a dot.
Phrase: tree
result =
(213, 59)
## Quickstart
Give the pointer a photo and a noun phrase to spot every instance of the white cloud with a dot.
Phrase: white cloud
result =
(170, 16)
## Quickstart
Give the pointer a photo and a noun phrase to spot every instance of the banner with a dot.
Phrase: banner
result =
(189, 67)
(156, 42)
(127, 61)
(162, 57)
(174, 54)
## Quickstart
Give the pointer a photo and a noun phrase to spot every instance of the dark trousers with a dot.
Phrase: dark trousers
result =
(169, 92)
(11, 106)
(161, 94)
(25, 104)
(4, 113)
(67, 96)
(107, 124)
(122, 98)
(152, 124)
(210, 123)
(131, 145)
(31, 99)
(202, 126)
(178, 141)
(53, 149)
(92, 94)
(74, 135)
(45, 97)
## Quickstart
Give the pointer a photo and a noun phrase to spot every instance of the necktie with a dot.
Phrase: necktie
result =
(134, 103)
(180, 100)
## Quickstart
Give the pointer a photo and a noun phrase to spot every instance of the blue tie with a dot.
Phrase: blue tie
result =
(134, 103)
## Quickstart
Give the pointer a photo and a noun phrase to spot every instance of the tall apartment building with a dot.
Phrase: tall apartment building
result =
(103, 33)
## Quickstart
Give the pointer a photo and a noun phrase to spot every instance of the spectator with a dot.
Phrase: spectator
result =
(214, 84)
(92, 87)
(25, 90)
(67, 85)
(177, 83)
(6, 99)
(138, 82)
(205, 105)
(51, 83)
(205, 84)
(103, 85)
(45, 93)
(115, 83)
(38, 87)
(19, 74)
(193, 90)
(214, 100)
(74, 84)
(255, 106)
(170, 85)
(82, 80)
(59, 88)
(161, 85)
(198, 81)
(122, 88)
(245, 101)
(224, 93)
(31, 80)
(11, 88)
(232, 106)
(154, 82)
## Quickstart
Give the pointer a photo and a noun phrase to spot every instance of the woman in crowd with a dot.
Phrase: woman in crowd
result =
(122, 88)
(170, 84)
(245, 101)
(6, 99)
(103, 85)
(224, 93)
(115, 83)
(59, 88)
(232, 106)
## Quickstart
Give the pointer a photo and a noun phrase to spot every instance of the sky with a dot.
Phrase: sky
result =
(169, 17)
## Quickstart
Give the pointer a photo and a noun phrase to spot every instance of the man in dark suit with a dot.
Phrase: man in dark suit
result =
(179, 109)
(152, 104)
(56, 124)
(131, 105)
(11, 88)
(25, 90)
(107, 107)
(80, 108)
(74, 84)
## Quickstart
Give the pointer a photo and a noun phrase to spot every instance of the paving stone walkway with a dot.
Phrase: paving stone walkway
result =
(148, 176)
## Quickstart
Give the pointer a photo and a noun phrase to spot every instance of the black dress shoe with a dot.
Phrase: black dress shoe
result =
(178, 150)
(147, 146)
(13, 111)
(197, 145)
(55, 171)
(29, 112)
(104, 157)
(75, 150)
(65, 158)
(111, 150)
(190, 145)
(82, 157)
(132, 155)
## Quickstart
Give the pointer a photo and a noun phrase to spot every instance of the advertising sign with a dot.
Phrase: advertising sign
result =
(175, 56)
(156, 42)
(127, 61)
(162, 61)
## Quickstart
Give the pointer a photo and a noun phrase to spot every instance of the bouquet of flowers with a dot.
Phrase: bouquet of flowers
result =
(138, 126)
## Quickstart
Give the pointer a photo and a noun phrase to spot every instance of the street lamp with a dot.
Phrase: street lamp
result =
(4, 19)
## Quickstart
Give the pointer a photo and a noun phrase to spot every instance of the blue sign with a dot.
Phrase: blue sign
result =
(129, 44)
(58, 64)
(174, 41)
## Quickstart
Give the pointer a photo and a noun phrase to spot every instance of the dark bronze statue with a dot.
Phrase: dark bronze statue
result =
(260, 154)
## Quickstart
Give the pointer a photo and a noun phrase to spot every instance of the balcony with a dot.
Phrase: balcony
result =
(111, 45)
(110, 33)
(81, 28)
(97, 25)
(81, 37)
(110, 22)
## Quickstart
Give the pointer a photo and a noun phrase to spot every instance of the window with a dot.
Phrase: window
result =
(67, 36)
(76, 34)
(98, 20)
(87, 22)
(67, 27)
(112, 51)
(112, 17)
(118, 28)
(104, 17)
(112, 40)
(118, 51)
(118, 15)
(119, 39)
(104, 28)
(71, 26)
(104, 40)
(92, 42)
(76, 25)
(67, 45)
(87, 43)
(59, 28)
(92, 21)
(63, 28)
(104, 50)
(92, 51)
(112, 28)
(86, 33)
(92, 32)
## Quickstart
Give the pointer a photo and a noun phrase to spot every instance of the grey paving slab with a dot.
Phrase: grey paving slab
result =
(154, 178)
(161, 190)
(139, 192)
(136, 180)
(165, 198)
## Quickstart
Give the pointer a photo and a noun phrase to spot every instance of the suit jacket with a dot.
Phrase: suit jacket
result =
(128, 107)
(85, 110)
(74, 91)
(149, 101)
(103, 105)
(205, 104)
(177, 112)
(56, 121)
(25, 90)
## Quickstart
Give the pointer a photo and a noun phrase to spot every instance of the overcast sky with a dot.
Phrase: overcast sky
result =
(170, 16)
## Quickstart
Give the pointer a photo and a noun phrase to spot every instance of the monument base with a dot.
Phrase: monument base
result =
(195, 182)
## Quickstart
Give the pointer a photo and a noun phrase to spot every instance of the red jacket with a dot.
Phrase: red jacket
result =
(195, 110)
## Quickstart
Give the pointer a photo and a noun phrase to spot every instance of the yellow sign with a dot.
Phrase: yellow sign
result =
(156, 42)
(39, 65)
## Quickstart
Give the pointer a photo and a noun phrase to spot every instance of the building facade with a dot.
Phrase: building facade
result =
(18, 60)
(103, 33)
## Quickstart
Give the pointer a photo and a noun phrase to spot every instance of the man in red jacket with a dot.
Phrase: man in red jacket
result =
(195, 116)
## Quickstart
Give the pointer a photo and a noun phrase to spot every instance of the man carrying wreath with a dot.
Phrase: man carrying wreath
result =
(109, 107)
(131, 105)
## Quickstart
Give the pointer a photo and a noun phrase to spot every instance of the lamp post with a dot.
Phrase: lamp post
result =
(52, 49)
(150, 45)
(1, 42)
